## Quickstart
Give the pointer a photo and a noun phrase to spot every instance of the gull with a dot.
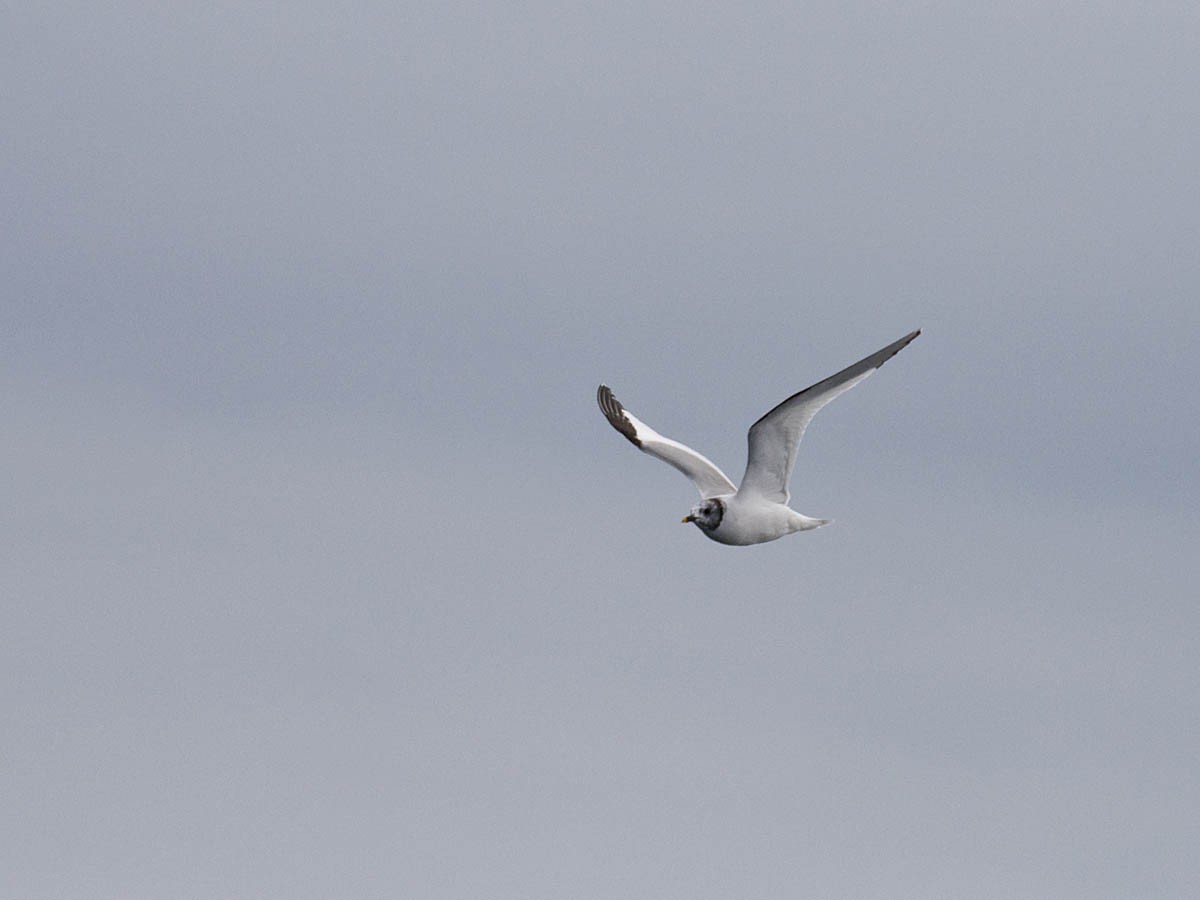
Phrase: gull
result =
(757, 511)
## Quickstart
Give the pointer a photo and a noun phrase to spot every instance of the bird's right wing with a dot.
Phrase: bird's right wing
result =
(773, 439)
(709, 480)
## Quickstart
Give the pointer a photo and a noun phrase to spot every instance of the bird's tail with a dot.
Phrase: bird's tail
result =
(808, 524)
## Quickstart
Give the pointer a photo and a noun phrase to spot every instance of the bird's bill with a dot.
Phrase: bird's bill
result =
(688, 518)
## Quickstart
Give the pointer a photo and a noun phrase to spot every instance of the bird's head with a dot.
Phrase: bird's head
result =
(707, 515)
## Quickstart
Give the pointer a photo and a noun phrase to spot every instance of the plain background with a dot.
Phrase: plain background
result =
(323, 576)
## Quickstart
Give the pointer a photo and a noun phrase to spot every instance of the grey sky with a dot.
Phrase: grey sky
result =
(324, 576)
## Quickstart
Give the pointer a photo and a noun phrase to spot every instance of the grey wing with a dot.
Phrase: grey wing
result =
(709, 480)
(774, 439)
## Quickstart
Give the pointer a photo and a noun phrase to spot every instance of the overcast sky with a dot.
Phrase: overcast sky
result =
(323, 576)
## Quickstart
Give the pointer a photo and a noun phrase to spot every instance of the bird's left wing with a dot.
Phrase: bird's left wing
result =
(709, 480)
(775, 437)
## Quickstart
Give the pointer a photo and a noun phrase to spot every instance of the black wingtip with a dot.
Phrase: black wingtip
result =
(904, 341)
(892, 349)
(615, 413)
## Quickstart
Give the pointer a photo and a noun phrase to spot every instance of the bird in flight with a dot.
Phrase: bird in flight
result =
(757, 511)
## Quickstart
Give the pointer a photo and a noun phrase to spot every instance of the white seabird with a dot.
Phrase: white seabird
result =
(758, 510)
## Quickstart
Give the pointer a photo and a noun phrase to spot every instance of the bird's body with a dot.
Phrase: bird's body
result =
(749, 519)
(757, 511)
